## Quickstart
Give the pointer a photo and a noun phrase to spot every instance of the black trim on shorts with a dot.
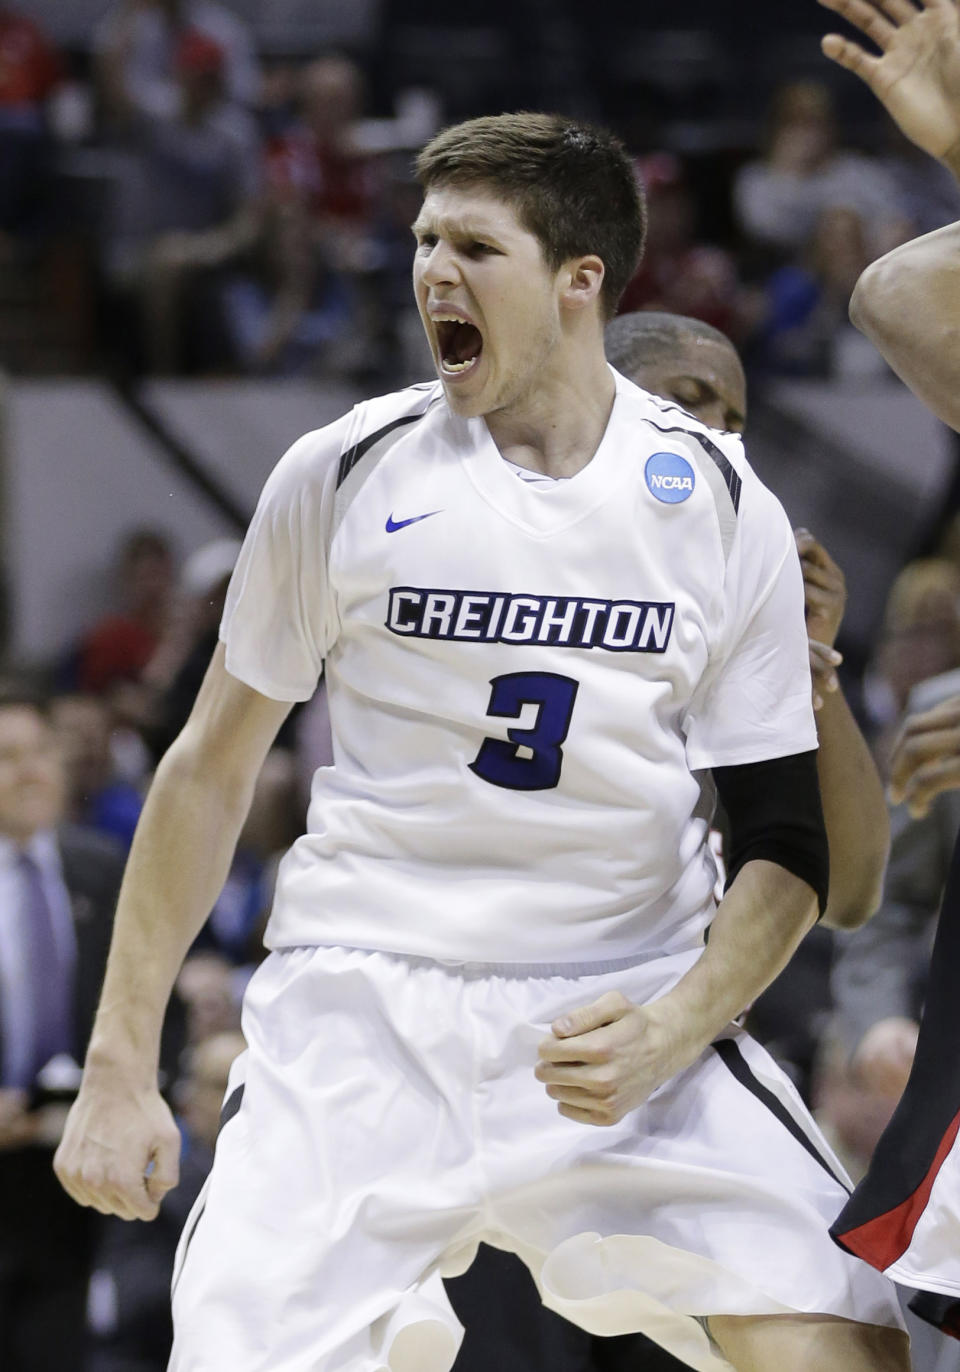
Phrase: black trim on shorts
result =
(231, 1105)
(943, 1312)
(729, 1053)
(353, 455)
(186, 1247)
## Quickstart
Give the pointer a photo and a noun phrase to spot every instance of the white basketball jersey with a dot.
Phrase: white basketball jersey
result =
(524, 682)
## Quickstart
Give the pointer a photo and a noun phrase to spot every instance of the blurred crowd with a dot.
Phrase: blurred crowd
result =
(248, 216)
(254, 219)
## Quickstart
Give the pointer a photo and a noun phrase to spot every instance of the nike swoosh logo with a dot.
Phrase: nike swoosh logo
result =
(392, 525)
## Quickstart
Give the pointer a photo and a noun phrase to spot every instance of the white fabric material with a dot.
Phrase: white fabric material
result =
(391, 1121)
(931, 1261)
(407, 847)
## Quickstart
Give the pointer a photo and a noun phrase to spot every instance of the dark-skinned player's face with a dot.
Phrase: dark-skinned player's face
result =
(704, 377)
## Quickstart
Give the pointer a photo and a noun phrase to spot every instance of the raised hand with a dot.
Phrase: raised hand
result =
(917, 72)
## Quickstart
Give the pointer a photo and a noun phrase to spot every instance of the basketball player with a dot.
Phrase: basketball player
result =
(490, 1011)
(904, 1217)
(697, 366)
(688, 362)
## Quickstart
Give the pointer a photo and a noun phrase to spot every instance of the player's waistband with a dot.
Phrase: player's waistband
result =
(517, 970)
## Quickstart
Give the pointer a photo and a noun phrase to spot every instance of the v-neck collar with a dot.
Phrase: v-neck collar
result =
(542, 511)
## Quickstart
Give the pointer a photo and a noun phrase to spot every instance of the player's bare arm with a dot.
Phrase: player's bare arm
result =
(605, 1059)
(908, 302)
(854, 805)
(926, 757)
(120, 1148)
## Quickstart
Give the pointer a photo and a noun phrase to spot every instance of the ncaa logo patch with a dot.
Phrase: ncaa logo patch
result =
(669, 477)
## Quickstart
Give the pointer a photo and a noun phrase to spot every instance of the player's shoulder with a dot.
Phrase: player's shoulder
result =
(332, 452)
(666, 417)
(745, 508)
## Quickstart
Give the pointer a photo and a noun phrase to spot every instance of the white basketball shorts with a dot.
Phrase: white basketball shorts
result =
(386, 1118)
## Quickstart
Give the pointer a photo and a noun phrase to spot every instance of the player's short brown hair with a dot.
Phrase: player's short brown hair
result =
(572, 185)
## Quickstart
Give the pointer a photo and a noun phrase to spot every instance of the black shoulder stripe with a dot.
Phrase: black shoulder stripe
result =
(730, 478)
(353, 455)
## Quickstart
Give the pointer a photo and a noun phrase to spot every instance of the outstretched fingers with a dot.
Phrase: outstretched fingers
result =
(849, 55)
(866, 17)
(900, 11)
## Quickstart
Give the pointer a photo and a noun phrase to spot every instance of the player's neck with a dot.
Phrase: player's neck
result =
(557, 428)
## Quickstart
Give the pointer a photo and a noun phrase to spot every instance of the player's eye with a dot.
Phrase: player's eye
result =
(426, 240)
(478, 249)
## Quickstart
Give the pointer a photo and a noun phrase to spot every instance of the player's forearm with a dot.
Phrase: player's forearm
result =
(855, 814)
(908, 305)
(178, 863)
(755, 932)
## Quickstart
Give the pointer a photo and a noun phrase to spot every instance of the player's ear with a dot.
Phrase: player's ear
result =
(581, 280)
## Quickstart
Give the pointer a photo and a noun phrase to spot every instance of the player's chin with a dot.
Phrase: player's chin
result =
(467, 395)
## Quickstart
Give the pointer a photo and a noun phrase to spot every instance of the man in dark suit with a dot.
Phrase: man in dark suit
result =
(58, 889)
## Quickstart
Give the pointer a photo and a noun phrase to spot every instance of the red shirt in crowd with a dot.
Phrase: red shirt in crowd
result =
(29, 65)
(333, 184)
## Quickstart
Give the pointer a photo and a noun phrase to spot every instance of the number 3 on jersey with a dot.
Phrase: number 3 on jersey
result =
(499, 761)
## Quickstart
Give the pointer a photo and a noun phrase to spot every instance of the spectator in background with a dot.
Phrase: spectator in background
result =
(318, 162)
(177, 669)
(98, 797)
(806, 330)
(780, 199)
(30, 69)
(130, 1289)
(185, 205)
(920, 639)
(234, 931)
(678, 274)
(139, 40)
(211, 995)
(319, 255)
(58, 887)
(114, 654)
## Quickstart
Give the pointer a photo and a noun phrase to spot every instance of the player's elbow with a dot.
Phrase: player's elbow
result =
(850, 904)
(875, 299)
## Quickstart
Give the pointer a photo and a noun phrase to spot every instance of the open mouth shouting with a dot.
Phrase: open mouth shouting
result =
(459, 343)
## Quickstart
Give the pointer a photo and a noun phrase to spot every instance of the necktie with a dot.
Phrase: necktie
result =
(46, 974)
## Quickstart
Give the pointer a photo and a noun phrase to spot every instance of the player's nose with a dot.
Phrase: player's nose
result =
(439, 267)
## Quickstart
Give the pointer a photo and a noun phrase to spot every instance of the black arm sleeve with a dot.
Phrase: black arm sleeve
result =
(774, 812)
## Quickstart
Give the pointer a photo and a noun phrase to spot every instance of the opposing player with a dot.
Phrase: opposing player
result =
(491, 940)
(698, 367)
(904, 1217)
